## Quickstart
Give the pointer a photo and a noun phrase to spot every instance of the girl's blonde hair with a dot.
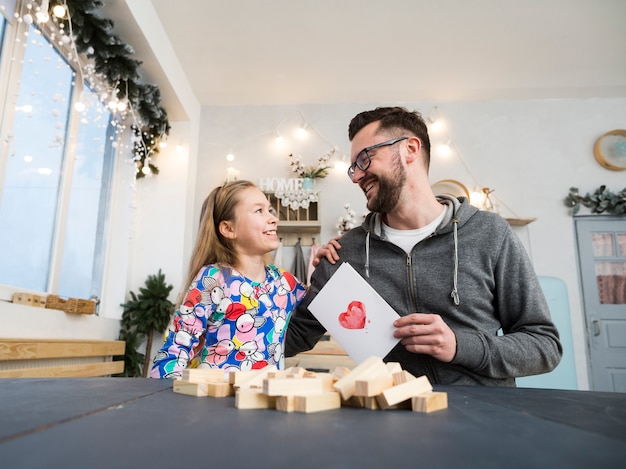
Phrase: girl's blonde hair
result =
(211, 247)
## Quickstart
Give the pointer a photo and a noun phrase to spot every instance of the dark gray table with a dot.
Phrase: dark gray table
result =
(127, 422)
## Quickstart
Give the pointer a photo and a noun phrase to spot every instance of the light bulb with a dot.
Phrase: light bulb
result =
(180, 148)
(230, 157)
(121, 106)
(444, 149)
(301, 132)
(42, 15)
(436, 126)
(58, 10)
(163, 143)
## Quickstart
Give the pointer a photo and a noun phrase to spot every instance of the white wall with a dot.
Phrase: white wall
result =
(530, 152)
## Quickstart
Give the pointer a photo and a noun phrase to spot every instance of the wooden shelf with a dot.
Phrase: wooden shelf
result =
(519, 221)
(312, 226)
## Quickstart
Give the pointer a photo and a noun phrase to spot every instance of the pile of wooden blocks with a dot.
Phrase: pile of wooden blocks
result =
(69, 305)
(373, 384)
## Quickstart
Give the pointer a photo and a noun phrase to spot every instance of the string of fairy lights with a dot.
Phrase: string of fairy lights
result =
(104, 63)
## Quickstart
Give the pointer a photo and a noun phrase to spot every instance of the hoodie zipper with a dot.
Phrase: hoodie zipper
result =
(409, 266)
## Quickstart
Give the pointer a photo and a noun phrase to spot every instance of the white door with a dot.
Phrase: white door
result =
(602, 263)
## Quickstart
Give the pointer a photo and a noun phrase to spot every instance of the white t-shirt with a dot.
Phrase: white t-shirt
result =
(406, 239)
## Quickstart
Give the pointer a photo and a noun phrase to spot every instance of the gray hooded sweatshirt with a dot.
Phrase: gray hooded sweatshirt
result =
(474, 272)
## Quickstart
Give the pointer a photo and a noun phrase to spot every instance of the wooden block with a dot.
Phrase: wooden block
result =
(277, 374)
(369, 387)
(292, 386)
(370, 403)
(370, 367)
(402, 392)
(354, 401)
(393, 367)
(429, 402)
(85, 306)
(318, 402)
(201, 375)
(286, 403)
(29, 299)
(191, 389)
(252, 379)
(328, 381)
(402, 377)
(324, 363)
(340, 372)
(217, 389)
(56, 302)
(295, 371)
(250, 398)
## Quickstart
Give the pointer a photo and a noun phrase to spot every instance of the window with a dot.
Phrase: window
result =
(58, 168)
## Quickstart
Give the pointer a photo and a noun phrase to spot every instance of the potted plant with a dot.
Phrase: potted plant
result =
(310, 173)
(144, 314)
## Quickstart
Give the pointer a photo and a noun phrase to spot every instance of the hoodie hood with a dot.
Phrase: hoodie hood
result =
(459, 211)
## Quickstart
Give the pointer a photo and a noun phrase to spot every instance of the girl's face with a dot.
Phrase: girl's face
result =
(253, 231)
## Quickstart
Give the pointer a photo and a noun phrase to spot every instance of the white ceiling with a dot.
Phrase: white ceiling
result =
(256, 52)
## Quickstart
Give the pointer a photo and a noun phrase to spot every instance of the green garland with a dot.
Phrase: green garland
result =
(112, 60)
(601, 201)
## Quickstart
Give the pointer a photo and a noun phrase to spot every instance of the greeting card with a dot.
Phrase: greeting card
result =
(357, 317)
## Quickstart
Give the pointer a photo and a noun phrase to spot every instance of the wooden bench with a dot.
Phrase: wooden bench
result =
(324, 357)
(59, 358)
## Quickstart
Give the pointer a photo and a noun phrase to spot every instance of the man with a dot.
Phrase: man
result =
(470, 304)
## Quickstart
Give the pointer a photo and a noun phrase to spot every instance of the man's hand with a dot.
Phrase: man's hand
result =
(427, 334)
(329, 251)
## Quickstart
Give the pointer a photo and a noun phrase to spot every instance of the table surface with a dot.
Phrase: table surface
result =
(134, 422)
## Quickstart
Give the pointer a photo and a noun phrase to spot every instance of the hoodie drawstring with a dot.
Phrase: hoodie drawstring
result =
(455, 294)
(367, 254)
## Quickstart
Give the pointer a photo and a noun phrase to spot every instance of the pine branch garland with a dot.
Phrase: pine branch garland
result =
(113, 60)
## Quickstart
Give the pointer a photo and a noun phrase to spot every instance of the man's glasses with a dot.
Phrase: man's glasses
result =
(363, 159)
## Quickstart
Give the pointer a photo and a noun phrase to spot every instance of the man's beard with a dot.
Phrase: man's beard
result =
(389, 188)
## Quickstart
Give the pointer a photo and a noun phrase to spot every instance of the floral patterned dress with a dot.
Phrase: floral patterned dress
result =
(229, 321)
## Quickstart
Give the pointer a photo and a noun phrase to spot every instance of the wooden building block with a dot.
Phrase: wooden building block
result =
(29, 299)
(369, 387)
(286, 403)
(217, 389)
(328, 381)
(429, 402)
(251, 379)
(318, 402)
(402, 377)
(295, 371)
(370, 403)
(191, 389)
(56, 302)
(402, 392)
(393, 367)
(292, 386)
(369, 368)
(200, 375)
(85, 306)
(340, 372)
(250, 398)
(354, 401)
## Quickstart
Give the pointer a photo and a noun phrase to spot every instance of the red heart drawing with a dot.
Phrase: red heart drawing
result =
(354, 317)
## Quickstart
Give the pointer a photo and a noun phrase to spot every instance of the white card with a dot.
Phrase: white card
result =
(357, 317)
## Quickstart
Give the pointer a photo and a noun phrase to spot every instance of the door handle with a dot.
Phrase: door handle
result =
(596, 327)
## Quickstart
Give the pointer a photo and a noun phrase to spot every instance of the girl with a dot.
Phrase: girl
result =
(236, 309)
